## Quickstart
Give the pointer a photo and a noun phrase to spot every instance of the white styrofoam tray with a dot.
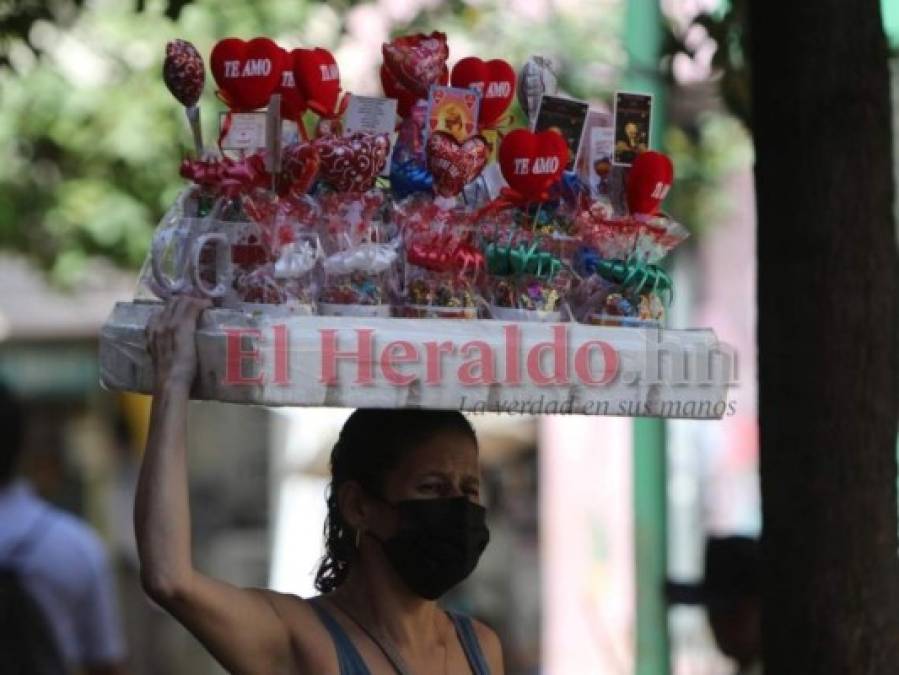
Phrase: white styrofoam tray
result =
(479, 366)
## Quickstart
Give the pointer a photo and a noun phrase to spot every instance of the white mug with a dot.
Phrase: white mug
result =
(183, 245)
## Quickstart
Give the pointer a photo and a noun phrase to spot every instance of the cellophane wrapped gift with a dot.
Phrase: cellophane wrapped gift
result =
(619, 279)
(287, 281)
(525, 281)
(440, 275)
(599, 302)
(528, 298)
(360, 264)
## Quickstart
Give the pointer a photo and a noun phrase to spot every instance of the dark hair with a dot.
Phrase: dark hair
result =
(12, 421)
(371, 444)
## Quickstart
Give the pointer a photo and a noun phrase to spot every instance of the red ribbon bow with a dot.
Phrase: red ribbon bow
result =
(445, 253)
(227, 177)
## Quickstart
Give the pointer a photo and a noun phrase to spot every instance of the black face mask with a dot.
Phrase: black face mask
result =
(438, 543)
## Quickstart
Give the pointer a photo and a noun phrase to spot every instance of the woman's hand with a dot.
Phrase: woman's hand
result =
(171, 340)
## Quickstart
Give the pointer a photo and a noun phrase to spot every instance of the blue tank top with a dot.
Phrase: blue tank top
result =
(350, 662)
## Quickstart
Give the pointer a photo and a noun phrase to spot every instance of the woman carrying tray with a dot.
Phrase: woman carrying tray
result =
(404, 525)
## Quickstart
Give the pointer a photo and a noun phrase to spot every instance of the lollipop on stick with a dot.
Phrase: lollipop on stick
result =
(184, 75)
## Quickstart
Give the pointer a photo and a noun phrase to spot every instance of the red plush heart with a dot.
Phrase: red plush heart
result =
(417, 61)
(318, 77)
(452, 164)
(299, 166)
(293, 104)
(351, 164)
(247, 73)
(650, 178)
(495, 80)
(406, 99)
(532, 162)
(183, 72)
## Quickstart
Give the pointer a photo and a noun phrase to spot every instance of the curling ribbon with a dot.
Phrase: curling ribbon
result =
(296, 259)
(636, 274)
(409, 177)
(509, 198)
(508, 260)
(438, 254)
(226, 176)
(586, 261)
(370, 258)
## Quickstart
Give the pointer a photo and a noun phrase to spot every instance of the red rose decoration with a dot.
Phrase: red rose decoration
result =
(417, 61)
(183, 72)
(318, 77)
(648, 182)
(532, 162)
(452, 164)
(352, 164)
(247, 73)
(495, 80)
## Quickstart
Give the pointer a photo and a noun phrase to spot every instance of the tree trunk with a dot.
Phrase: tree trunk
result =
(827, 337)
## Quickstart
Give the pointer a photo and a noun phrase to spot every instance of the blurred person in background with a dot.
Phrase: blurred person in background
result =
(404, 525)
(731, 594)
(57, 605)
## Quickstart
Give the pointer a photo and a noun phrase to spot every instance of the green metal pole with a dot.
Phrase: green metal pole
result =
(643, 40)
(650, 547)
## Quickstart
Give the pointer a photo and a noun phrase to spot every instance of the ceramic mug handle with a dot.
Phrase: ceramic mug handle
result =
(222, 264)
(167, 286)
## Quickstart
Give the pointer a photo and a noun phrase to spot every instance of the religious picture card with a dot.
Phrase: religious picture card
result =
(565, 116)
(633, 123)
(454, 111)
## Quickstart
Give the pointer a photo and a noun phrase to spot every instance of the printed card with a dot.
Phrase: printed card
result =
(565, 116)
(371, 114)
(633, 124)
(453, 110)
(595, 118)
(244, 131)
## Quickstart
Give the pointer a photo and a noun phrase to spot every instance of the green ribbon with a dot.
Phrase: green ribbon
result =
(498, 262)
(508, 260)
(637, 274)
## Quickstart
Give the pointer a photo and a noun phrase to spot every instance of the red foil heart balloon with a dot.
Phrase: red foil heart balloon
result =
(318, 77)
(452, 164)
(299, 166)
(532, 162)
(352, 164)
(417, 61)
(406, 99)
(183, 72)
(495, 80)
(293, 104)
(247, 73)
(648, 182)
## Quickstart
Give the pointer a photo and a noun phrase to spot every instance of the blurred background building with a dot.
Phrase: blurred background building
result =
(588, 515)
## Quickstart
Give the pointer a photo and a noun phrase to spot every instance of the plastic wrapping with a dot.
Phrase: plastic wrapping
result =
(430, 294)
(599, 302)
(360, 263)
(443, 268)
(648, 239)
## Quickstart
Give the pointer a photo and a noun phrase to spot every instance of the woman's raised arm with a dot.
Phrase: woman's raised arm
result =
(242, 628)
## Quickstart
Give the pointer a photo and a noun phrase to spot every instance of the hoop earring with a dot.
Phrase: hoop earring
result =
(358, 537)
